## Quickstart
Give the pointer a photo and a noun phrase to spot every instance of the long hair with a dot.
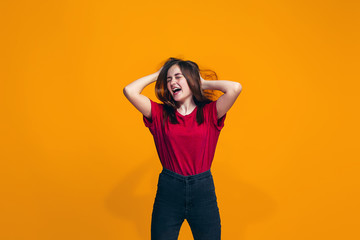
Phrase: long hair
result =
(190, 71)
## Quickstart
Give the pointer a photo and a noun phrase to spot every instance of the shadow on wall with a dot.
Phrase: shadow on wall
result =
(126, 203)
(240, 204)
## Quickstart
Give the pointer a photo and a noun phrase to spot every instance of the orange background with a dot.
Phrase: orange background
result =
(77, 161)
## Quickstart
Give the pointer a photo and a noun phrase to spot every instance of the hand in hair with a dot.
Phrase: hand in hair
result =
(201, 82)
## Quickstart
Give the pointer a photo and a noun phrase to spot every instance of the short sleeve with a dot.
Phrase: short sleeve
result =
(218, 123)
(156, 112)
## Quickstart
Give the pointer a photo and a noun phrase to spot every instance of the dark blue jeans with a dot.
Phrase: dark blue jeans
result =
(181, 197)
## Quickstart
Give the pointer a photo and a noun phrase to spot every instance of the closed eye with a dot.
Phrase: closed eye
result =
(169, 79)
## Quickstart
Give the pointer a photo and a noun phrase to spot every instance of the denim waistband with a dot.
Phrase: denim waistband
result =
(186, 178)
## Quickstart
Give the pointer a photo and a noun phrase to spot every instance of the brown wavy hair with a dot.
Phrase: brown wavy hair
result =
(190, 71)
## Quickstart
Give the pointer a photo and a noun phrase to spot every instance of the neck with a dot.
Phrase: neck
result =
(187, 106)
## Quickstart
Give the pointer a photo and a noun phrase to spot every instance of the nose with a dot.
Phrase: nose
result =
(172, 81)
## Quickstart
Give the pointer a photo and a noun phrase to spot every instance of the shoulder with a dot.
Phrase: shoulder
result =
(209, 106)
(156, 106)
(210, 112)
(209, 109)
(156, 114)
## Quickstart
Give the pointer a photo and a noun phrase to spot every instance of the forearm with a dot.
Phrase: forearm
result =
(224, 86)
(230, 89)
(138, 85)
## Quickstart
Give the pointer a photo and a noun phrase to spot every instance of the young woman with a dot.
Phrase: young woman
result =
(185, 127)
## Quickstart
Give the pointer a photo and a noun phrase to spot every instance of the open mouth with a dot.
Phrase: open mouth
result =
(176, 90)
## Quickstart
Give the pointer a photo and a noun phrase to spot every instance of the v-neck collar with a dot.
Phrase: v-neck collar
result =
(192, 112)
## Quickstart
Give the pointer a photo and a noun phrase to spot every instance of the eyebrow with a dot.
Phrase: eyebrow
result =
(175, 75)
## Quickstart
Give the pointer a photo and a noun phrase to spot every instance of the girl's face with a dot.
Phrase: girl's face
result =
(177, 84)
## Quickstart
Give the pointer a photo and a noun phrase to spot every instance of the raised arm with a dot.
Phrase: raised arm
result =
(133, 93)
(230, 89)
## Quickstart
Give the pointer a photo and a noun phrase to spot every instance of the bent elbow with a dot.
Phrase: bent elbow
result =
(125, 91)
(237, 88)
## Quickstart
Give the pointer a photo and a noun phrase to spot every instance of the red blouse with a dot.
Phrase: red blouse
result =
(185, 148)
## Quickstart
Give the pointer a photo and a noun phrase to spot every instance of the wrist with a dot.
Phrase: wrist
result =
(203, 83)
(155, 76)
